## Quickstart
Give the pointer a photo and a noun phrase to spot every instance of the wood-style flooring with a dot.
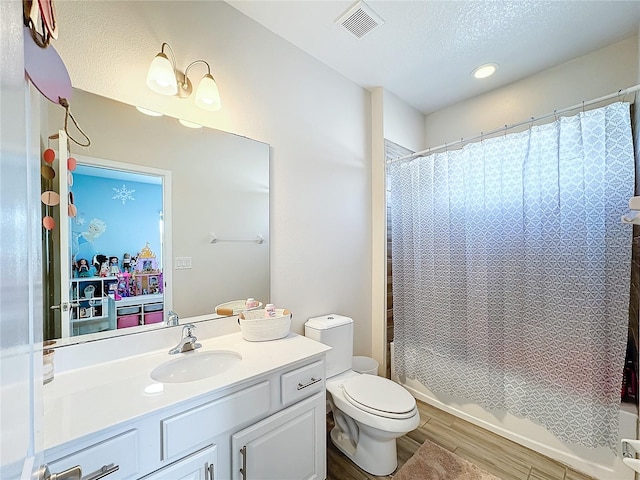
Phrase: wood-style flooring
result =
(489, 451)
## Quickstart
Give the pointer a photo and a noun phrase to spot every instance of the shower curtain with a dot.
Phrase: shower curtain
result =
(511, 272)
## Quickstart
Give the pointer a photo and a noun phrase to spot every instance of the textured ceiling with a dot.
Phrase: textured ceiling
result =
(425, 51)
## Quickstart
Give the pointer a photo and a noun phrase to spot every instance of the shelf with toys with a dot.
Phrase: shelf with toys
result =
(137, 310)
(91, 313)
(103, 292)
(138, 296)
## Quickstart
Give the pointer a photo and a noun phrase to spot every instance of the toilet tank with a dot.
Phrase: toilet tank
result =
(335, 331)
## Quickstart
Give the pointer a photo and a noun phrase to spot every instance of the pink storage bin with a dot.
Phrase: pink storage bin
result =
(153, 317)
(128, 321)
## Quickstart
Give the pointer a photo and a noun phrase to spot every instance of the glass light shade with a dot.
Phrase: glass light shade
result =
(161, 78)
(207, 95)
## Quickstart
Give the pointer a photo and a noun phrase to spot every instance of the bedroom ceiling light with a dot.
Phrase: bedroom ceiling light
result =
(146, 111)
(484, 71)
(164, 78)
(189, 124)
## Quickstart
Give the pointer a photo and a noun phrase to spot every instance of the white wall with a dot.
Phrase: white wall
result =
(403, 124)
(394, 120)
(591, 76)
(316, 121)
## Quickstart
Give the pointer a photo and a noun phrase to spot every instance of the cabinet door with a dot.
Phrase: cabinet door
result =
(289, 445)
(202, 465)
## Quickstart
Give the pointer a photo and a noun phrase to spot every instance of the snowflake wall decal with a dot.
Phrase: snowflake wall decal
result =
(123, 194)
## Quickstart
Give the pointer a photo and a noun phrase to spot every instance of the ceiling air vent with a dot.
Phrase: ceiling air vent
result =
(360, 20)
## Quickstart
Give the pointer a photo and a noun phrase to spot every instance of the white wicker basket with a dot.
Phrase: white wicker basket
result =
(257, 327)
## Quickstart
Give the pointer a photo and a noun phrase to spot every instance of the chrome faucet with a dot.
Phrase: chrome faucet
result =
(172, 319)
(188, 341)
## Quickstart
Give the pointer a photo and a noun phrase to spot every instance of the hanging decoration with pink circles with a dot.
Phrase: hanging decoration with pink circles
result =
(50, 198)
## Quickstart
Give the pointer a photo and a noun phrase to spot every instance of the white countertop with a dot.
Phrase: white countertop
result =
(83, 401)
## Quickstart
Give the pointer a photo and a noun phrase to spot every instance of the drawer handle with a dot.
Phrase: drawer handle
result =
(102, 472)
(72, 473)
(313, 380)
(243, 470)
(208, 471)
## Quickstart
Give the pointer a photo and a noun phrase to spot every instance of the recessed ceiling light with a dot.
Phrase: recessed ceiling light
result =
(146, 111)
(486, 70)
(189, 124)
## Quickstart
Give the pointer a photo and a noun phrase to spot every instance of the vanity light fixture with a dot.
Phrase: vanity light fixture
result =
(164, 78)
(484, 71)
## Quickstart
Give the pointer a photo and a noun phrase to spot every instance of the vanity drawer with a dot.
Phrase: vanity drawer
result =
(187, 431)
(121, 450)
(302, 382)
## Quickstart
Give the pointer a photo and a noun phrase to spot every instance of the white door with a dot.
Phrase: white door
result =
(289, 445)
(60, 302)
(20, 259)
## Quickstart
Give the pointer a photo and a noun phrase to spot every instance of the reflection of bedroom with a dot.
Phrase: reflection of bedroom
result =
(117, 218)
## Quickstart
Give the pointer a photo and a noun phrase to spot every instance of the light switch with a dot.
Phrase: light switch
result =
(183, 263)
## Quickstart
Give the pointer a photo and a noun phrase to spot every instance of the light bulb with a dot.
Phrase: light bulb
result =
(484, 71)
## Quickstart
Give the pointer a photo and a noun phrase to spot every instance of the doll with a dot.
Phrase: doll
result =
(126, 263)
(113, 266)
(83, 267)
(98, 261)
(104, 269)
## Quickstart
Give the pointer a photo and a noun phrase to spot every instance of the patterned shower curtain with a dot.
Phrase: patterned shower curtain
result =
(511, 272)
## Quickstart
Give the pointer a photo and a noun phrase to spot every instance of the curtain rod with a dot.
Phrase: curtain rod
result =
(619, 93)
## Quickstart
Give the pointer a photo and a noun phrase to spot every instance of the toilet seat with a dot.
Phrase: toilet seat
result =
(379, 396)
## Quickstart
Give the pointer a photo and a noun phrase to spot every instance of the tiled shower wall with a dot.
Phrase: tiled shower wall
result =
(392, 151)
(634, 297)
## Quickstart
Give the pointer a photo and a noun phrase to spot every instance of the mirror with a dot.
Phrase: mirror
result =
(219, 228)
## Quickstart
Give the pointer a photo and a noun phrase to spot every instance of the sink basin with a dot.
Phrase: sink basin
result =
(196, 365)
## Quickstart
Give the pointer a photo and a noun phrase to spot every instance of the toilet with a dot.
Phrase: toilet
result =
(369, 412)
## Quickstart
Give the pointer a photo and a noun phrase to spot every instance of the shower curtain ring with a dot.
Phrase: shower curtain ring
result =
(555, 115)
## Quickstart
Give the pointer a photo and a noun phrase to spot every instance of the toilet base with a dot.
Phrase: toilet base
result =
(377, 457)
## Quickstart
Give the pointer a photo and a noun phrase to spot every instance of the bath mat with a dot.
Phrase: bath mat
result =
(432, 462)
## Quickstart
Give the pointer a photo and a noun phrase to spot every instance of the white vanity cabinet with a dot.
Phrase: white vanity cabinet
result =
(288, 445)
(277, 418)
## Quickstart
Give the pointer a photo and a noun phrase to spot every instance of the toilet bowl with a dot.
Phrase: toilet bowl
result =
(369, 412)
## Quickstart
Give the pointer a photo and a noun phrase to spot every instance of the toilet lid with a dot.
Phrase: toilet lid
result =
(379, 396)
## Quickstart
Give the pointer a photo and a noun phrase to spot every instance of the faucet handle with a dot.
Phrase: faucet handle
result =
(187, 329)
(172, 318)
